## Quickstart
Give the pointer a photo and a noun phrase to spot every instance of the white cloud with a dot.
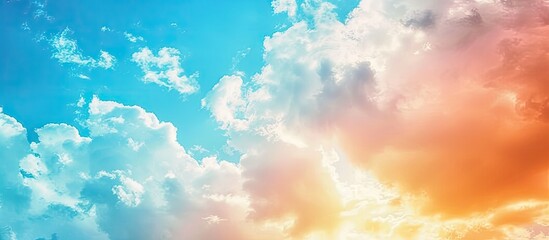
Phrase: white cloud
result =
(132, 38)
(99, 187)
(129, 191)
(197, 149)
(9, 127)
(40, 11)
(225, 102)
(66, 51)
(165, 69)
(106, 60)
(58, 134)
(105, 29)
(82, 76)
(288, 6)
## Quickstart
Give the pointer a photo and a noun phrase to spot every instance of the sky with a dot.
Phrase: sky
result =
(283, 119)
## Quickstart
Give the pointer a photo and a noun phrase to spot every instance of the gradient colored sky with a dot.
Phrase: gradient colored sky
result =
(283, 119)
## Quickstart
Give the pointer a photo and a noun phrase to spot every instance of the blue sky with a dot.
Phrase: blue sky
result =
(214, 40)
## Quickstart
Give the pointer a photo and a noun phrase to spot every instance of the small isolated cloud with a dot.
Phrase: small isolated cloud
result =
(165, 69)
(132, 38)
(82, 76)
(25, 26)
(287, 6)
(105, 29)
(66, 50)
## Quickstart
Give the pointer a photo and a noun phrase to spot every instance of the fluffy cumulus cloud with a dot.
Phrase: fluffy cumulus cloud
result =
(129, 179)
(66, 51)
(165, 69)
(443, 102)
(224, 102)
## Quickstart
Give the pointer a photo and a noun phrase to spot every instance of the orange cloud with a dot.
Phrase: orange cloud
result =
(518, 217)
(285, 182)
(445, 101)
(468, 124)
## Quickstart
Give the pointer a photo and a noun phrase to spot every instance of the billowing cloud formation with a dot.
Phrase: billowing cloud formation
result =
(445, 101)
(462, 101)
(165, 70)
(129, 179)
(66, 51)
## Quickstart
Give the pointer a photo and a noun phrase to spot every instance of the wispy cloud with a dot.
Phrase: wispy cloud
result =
(25, 26)
(82, 76)
(165, 69)
(66, 50)
(105, 29)
(40, 11)
(287, 6)
(132, 38)
(198, 149)
(238, 58)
